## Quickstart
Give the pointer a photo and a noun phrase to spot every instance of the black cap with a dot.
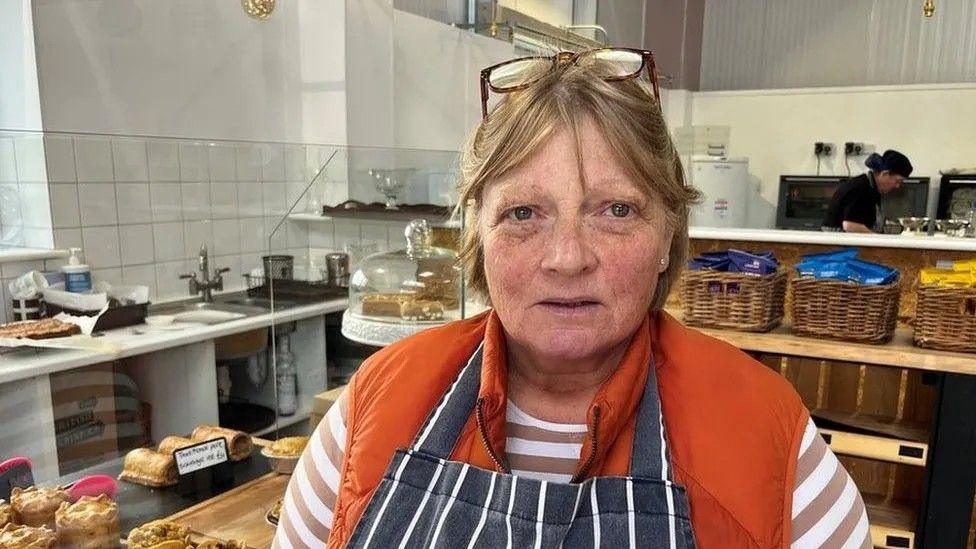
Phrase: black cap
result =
(897, 163)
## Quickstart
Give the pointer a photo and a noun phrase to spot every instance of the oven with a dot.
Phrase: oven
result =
(803, 200)
(957, 197)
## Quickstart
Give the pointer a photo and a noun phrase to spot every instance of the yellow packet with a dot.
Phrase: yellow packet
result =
(946, 278)
(968, 265)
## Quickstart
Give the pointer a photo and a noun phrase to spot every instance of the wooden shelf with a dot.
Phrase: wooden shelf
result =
(892, 523)
(900, 352)
(880, 448)
(377, 217)
(876, 425)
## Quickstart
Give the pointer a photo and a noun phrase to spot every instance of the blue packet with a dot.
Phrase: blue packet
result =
(745, 262)
(735, 261)
(864, 272)
(834, 270)
(837, 255)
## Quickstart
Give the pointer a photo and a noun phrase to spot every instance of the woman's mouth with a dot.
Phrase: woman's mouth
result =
(569, 306)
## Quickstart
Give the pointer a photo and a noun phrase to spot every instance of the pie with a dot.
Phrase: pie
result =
(13, 536)
(164, 534)
(36, 506)
(44, 328)
(148, 467)
(89, 523)
(4, 513)
(288, 447)
(238, 443)
(159, 534)
(173, 443)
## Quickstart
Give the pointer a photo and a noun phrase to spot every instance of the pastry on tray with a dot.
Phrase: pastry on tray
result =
(159, 534)
(14, 536)
(173, 443)
(89, 523)
(4, 513)
(274, 514)
(218, 544)
(148, 467)
(238, 443)
(44, 328)
(288, 447)
(36, 506)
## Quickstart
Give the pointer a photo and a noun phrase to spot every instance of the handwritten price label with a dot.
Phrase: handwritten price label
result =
(200, 456)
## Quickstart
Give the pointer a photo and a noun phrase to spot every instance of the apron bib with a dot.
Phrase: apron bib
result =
(424, 500)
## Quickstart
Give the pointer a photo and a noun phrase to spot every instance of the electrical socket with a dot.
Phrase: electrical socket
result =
(857, 148)
(821, 148)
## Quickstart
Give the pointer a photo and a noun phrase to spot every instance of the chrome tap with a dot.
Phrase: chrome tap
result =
(205, 284)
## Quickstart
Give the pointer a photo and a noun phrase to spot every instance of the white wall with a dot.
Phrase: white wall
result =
(437, 96)
(193, 68)
(932, 124)
(19, 102)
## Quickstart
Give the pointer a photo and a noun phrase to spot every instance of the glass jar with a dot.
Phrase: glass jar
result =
(418, 284)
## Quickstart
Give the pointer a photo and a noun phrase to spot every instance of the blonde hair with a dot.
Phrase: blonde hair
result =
(627, 117)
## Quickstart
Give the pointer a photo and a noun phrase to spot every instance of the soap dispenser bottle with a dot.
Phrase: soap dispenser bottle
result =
(77, 275)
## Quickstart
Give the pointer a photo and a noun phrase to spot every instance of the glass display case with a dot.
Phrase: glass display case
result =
(248, 254)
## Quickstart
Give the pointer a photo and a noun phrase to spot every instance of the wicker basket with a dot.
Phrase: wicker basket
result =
(945, 318)
(737, 301)
(847, 311)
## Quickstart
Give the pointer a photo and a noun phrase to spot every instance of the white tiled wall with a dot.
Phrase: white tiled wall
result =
(25, 212)
(140, 208)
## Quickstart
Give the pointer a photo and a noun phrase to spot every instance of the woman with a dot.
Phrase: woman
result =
(575, 412)
(855, 205)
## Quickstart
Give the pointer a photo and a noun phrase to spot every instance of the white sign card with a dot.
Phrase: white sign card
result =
(200, 456)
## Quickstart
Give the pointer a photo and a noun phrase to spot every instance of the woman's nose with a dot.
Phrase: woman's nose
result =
(568, 251)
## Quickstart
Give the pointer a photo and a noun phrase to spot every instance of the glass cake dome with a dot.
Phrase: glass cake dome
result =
(416, 285)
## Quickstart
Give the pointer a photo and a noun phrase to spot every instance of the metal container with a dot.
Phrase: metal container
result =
(337, 267)
(283, 465)
(279, 266)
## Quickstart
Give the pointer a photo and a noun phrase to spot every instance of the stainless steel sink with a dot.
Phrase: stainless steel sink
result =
(223, 308)
(260, 302)
(209, 313)
(228, 307)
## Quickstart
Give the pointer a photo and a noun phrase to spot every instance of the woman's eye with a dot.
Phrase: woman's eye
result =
(619, 209)
(520, 213)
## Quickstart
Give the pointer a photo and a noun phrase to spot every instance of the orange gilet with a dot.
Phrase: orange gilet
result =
(734, 426)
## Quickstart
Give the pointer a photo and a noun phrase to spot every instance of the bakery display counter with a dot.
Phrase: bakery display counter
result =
(140, 504)
(235, 512)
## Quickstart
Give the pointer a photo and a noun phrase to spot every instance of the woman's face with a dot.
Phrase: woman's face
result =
(572, 259)
(888, 181)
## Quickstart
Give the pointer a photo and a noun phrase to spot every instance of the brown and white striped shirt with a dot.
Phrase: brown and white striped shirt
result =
(827, 508)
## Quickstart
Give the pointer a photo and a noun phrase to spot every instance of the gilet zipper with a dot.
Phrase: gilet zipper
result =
(500, 462)
(581, 474)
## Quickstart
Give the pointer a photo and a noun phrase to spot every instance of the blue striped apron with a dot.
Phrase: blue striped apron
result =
(424, 500)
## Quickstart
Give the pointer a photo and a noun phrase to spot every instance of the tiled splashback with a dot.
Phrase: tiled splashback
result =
(141, 207)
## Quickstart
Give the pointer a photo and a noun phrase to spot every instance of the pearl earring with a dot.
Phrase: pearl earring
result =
(664, 261)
